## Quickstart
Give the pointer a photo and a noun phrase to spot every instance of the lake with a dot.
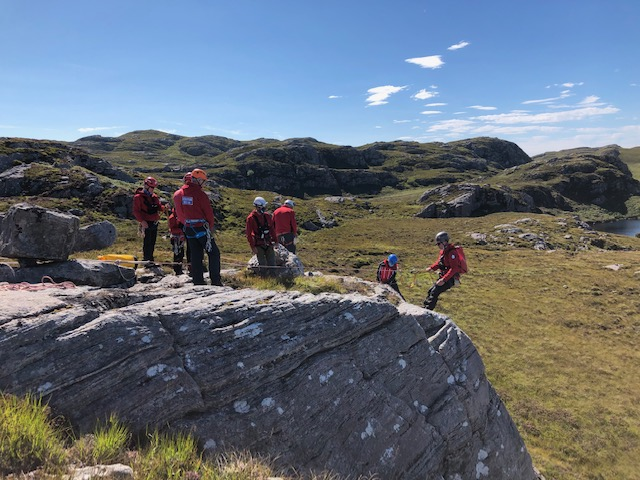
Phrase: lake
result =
(620, 227)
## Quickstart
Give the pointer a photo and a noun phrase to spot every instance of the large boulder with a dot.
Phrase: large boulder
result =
(96, 236)
(78, 272)
(33, 232)
(348, 383)
(288, 265)
(466, 199)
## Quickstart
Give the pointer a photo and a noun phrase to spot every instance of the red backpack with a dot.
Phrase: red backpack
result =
(461, 259)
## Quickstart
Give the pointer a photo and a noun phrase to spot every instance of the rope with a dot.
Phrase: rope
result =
(35, 286)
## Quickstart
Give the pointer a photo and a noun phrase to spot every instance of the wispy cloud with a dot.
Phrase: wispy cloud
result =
(550, 117)
(424, 94)
(334, 96)
(402, 121)
(430, 112)
(481, 107)
(435, 104)
(571, 84)
(432, 61)
(458, 46)
(379, 95)
(564, 94)
(452, 126)
(589, 100)
(97, 129)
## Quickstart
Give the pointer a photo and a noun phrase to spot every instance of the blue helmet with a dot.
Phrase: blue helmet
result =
(392, 259)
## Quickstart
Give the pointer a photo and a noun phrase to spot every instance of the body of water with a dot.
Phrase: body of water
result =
(620, 227)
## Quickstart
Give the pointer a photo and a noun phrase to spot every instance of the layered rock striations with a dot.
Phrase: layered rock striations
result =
(349, 383)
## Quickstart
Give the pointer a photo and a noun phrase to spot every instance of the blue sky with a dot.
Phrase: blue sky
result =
(545, 74)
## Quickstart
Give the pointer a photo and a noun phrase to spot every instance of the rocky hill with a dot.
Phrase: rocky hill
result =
(468, 177)
(349, 383)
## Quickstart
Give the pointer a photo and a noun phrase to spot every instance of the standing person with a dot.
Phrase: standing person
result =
(450, 265)
(261, 235)
(387, 270)
(178, 241)
(284, 221)
(194, 211)
(146, 209)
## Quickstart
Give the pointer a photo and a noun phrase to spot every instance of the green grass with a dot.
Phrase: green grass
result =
(30, 441)
(28, 437)
(557, 331)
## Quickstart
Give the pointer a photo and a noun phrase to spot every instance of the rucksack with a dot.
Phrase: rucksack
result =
(461, 259)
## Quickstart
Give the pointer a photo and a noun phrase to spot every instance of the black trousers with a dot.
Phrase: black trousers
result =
(286, 240)
(393, 284)
(434, 293)
(178, 247)
(149, 242)
(197, 247)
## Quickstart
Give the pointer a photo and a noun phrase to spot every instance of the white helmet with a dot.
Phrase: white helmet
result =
(259, 202)
(442, 237)
(289, 203)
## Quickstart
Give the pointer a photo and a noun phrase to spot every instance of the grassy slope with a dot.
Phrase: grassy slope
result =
(557, 331)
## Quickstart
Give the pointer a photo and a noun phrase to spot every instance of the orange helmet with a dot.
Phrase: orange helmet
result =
(199, 174)
(151, 182)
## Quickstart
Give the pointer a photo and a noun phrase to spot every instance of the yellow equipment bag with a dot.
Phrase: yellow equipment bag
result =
(121, 257)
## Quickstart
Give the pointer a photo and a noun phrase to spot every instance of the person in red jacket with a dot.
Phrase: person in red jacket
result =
(146, 209)
(284, 221)
(261, 235)
(387, 270)
(194, 211)
(449, 267)
(178, 241)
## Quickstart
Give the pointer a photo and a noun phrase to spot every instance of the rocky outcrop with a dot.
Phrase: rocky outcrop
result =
(288, 265)
(585, 175)
(349, 383)
(26, 151)
(30, 233)
(78, 272)
(96, 236)
(466, 200)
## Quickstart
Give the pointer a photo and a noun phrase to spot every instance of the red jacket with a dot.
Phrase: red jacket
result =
(175, 227)
(448, 263)
(146, 206)
(191, 203)
(284, 220)
(386, 273)
(256, 224)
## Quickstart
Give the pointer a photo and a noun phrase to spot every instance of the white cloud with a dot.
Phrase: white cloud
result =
(542, 100)
(335, 96)
(379, 95)
(590, 99)
(433, 61)
(402, 121)
(435, 104)
(571, 84)
(458, 46)
(550, 117)
(96, 129)
(480, 107)
(430, 112)
(452, 126)
(424, 94)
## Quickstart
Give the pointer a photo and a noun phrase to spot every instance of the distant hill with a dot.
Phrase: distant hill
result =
(496, 173)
